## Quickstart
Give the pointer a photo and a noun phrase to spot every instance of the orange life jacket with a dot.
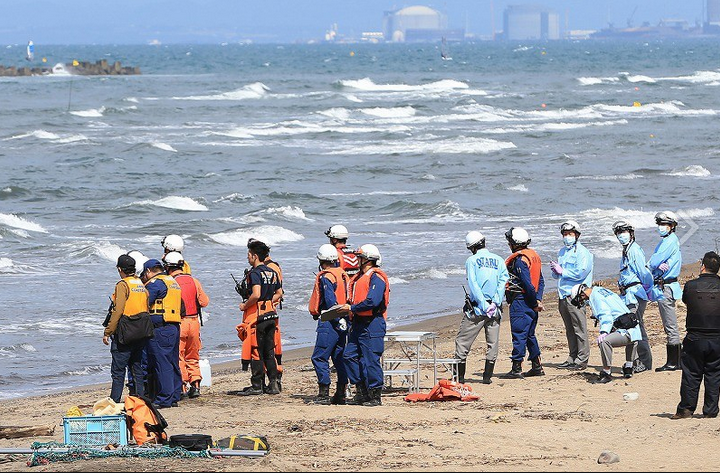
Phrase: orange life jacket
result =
(137, 301)
(348, 260)
(337, 276)
(533, 261)
(146, 423)
(360, 287)
(446, 390)
(278, 340)
(189, 294)
(170, 306)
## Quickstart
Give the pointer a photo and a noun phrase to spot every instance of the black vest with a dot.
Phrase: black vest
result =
(702, 297)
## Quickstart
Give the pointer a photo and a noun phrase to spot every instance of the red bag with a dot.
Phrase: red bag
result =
(446, 390)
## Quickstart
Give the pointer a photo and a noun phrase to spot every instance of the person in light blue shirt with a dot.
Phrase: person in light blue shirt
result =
(574, 266)
(608, 308)
(634, 281)
(486, 276)
(665, 265)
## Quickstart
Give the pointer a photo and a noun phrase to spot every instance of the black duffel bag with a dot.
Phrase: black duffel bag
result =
(134, 328)
(192, 442)
(626, 321)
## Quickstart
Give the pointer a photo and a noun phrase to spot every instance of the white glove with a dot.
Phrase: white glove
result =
(342, 324)
(492, 308)
(556, 268)
(663, 267)
(601, 337)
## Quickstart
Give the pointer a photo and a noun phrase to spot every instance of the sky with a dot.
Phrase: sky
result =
(281, 21)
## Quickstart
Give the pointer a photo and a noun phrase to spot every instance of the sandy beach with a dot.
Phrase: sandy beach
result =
(557, 422)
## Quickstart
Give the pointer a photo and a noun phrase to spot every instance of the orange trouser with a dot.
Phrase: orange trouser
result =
(190, 346)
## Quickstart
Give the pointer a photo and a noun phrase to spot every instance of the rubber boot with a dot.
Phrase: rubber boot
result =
(487, 374)
(515, 372)
(339, 396)
(461, 367)
(323, 396)
(361, 395)
(536, 370)
(273, 387)
(256, 379)
(374, 395)
(673, 359)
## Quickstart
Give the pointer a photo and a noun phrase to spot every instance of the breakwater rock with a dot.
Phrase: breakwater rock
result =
(80, 68)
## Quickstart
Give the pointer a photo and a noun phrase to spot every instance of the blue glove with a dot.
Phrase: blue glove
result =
(492, 308)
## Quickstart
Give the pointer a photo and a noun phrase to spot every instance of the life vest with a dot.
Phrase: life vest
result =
(170, 305)
(186, 268)
(360, 287)
(144, 420)
(275, 267)
(348, 260)
(278, 339)
(446, 390)
(533, 261)
(189, 294)
(337, 276)
(137, 301)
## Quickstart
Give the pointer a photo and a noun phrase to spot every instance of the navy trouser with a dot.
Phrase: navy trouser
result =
(330, 343)
(700, 359)
(163, 357)
(126, 357)
(365, 346)
(523, 321)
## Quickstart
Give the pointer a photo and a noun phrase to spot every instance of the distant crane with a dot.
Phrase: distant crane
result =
(630, 19)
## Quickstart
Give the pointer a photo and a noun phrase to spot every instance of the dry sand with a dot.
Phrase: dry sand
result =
(557, 422)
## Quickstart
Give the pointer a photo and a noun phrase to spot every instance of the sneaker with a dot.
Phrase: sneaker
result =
(248, 391)
(604, 378)
(565, 364)
(627, 372)
(578, 367)
(193, 392)
(639, 367)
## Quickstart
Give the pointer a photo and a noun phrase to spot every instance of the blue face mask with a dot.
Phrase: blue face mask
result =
(663, 230)
(569, 241)
(624, 238)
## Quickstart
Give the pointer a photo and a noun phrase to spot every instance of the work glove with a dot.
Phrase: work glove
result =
(601, 337)
(342, 325)
(491, 310)
(663, 267)
(556, 268)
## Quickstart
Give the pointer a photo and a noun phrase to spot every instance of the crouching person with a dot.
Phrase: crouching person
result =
(618, 328)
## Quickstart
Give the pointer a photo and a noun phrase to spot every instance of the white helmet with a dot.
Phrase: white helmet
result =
(474, 238)
(517, 236)
(327, 252)
(173, 243)
(666, 218)
(337, 231)
(140, 260)
(570, 226)
(370, 252)
(575, 293)
(174, 258)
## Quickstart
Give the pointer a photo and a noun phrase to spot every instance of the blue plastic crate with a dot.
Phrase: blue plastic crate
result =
(95, 430)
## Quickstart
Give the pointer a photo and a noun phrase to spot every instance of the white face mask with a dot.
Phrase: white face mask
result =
(624, 238)
(569, 241)
(663, 230)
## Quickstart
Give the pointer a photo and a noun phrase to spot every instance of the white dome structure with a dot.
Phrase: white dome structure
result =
(414, 23)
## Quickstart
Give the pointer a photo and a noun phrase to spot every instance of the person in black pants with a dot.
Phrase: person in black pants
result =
(701, 347)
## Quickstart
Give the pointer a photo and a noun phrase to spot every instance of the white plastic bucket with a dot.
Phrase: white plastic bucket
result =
(206, 373)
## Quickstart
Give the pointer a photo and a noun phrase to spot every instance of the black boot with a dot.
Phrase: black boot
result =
(515, 372)
(361, 395)
(339, 396)
(323, 396)
(536, 370)
(487, 374)
(673, 359)
(256, 379)
(374, 395)
(461, 367)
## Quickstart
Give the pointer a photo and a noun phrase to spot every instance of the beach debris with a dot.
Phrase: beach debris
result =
(16, 432)
(497, 418)
(607, 457)
(631, 396)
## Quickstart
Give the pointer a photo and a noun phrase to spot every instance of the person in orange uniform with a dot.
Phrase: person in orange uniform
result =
(259, 314)
(369, 298)
(347, 259)
(330, 289)
(163, 350)
(524, 296)
(194, 299)
(130, 298)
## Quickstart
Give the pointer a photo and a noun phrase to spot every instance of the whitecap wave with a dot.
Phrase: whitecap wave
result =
(40, 134)
(12, 220)
(338, 113)
(518, 188)
(395, 280)
(700, 77)
(91, 113)
(394, 112)
(234, 197)
(459, 145)
(256, 90)
(694, 170)
(614, 177)
(175, 202)
(5, 263)
(270, 234)
(638, 218)
(367, 84)
(163, 146)
(596, 80)
(288, 212)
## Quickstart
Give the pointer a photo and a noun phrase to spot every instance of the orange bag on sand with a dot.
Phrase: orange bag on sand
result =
(446, 390)
(145, 422)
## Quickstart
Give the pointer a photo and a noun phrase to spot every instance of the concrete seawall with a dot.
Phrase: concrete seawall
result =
(83, 68)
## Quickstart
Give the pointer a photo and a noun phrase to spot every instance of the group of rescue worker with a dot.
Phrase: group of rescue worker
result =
(166, 366)
(350, 297)
(518, 281)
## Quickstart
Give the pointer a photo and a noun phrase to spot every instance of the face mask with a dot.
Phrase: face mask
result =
(663, 230)
(569, 241)
(624, 238)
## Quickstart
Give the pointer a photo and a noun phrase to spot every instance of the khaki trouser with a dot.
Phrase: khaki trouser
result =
(576, 331)
(469, 331)
(615, 340)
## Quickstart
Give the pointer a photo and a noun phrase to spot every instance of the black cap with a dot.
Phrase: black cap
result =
(126, 263)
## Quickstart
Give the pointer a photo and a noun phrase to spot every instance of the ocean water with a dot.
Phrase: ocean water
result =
(223, 143)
